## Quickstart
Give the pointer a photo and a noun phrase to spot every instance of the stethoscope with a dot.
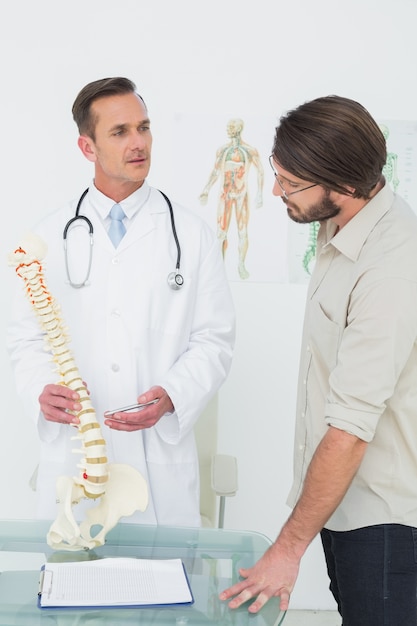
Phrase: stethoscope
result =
(175, 280)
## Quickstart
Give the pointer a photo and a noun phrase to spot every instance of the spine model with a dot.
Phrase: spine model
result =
(121, 488)
(93, 466)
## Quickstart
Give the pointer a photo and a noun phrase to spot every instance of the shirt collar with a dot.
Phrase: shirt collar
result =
(351, 238)
(130, 205)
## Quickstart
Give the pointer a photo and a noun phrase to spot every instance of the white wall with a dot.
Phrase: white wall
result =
(220, 57)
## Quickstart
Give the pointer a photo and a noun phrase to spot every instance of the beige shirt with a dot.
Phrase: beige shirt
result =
(358, 368)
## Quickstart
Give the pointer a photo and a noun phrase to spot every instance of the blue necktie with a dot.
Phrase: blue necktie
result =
(117, 228)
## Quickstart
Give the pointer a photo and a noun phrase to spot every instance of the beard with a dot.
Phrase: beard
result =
(318, 212)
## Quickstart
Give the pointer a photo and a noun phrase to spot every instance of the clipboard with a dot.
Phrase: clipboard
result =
(114, 583)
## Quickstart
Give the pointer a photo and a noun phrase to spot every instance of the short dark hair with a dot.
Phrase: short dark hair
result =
(332, 141)
(81, 109)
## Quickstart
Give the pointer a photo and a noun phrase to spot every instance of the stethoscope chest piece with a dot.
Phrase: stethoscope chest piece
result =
(175, 280)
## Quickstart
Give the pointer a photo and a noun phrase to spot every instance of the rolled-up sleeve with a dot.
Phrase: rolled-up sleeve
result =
(376, 349)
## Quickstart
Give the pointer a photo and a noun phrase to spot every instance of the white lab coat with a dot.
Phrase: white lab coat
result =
(129, 331)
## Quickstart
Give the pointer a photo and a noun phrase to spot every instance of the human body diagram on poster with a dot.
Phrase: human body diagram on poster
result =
(232, 165)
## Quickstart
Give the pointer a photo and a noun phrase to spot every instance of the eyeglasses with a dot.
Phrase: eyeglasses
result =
(285, 194)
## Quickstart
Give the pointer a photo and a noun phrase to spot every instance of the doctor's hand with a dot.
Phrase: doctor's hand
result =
(146, 417)
(273, 575)
(60, 404)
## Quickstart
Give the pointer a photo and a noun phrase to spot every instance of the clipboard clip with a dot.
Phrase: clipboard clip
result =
(45, 582)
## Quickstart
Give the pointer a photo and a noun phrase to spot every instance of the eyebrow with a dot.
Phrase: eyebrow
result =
(288, 180)
(124, 125)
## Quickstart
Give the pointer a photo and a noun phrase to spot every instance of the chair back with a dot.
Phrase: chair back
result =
(205, 431)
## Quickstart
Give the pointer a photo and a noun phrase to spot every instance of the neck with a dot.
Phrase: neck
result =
(380, 184)
(351, 206)
(119, 191)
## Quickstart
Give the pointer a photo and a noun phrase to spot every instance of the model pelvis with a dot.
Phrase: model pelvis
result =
(121, 489)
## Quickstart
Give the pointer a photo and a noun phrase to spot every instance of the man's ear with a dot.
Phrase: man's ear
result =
(87, 147)
(350, 191)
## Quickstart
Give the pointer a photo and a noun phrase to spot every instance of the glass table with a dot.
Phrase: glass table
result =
(212, 558)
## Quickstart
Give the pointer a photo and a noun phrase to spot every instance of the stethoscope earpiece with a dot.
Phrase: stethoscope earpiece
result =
(175, 280)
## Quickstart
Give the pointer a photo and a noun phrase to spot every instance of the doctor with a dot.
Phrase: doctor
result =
(136, 335)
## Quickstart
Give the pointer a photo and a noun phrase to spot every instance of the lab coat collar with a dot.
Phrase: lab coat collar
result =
(139, 207)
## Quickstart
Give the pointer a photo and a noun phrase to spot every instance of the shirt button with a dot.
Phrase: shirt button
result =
(115, 313)
(115, 367)
(115, 260)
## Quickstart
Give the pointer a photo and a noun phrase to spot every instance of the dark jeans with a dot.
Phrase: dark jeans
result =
(373, 574)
